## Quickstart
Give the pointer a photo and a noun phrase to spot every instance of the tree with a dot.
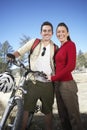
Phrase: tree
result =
(0, 52)
(24, 57)
(24, 39)
(4, 49)
(81, 60)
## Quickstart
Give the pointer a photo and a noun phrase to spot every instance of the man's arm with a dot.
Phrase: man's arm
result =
(16, 54)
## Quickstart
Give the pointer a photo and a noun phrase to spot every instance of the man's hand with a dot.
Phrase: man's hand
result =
(10, 57)
(48, 77)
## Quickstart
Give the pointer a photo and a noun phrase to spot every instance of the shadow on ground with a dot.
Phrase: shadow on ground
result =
(38, 122)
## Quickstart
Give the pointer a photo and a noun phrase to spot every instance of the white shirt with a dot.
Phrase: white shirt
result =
(43, 63)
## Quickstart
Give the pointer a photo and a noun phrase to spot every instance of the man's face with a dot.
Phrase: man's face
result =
(46, 32)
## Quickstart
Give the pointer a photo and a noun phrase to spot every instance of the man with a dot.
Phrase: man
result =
(41, 59)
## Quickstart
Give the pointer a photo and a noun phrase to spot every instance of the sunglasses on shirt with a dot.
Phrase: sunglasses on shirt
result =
(43, 52)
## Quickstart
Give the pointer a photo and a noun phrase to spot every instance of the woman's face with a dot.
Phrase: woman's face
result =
(62, 34)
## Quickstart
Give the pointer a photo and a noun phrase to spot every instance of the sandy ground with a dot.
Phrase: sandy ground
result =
(81, 79)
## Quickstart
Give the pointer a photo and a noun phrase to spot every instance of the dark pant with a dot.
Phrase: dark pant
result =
(68, 107)
(41, 90)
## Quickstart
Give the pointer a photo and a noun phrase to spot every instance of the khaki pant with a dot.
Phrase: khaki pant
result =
(68, 107)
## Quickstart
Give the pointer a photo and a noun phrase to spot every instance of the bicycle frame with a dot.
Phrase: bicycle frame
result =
(10, 104)
(14, 96)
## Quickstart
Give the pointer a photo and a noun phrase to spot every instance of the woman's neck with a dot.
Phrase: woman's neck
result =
(62, 42)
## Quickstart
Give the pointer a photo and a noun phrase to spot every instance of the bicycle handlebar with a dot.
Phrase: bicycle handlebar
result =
(12, 60)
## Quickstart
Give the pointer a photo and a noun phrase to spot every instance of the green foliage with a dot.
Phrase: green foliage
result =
(4, 49)
(81, 60)
(3, 67)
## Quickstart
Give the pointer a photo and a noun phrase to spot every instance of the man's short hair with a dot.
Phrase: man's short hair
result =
(47, 23)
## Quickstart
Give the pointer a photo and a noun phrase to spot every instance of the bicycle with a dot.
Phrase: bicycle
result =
(16, 100)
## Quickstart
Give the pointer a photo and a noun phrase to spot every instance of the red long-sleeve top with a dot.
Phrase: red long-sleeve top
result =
(65, 60)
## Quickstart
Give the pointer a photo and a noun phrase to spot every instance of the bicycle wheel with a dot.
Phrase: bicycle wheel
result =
(15, 116)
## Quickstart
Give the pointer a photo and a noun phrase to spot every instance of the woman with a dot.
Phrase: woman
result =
(66, 88)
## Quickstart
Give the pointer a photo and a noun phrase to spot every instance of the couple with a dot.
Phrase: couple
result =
(58, 67)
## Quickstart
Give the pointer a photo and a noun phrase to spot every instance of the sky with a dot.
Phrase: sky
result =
(24, 17)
